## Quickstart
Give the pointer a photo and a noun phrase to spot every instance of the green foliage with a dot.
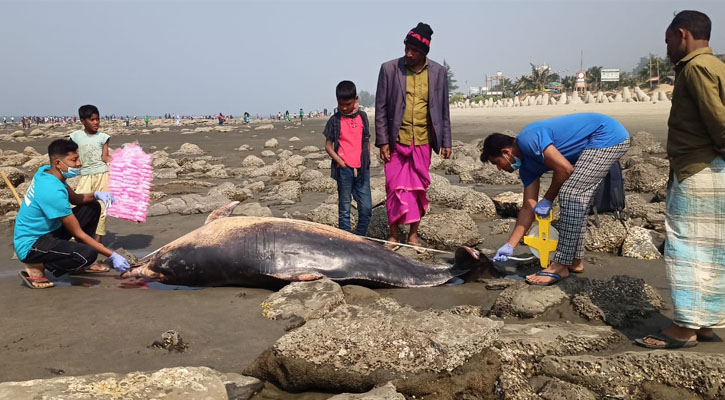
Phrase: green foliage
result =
(594, 74)
(366, 99)
(457, 97)
(451, 80)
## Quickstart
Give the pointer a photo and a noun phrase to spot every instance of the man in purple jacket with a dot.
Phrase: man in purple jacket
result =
(411, 118)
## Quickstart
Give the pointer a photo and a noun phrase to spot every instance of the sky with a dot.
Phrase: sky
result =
(205, 57)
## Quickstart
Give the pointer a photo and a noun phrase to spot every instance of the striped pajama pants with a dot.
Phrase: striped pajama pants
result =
(575, 197)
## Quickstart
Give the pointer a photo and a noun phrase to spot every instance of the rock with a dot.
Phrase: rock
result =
(166, 173)
(264, 127)
(294, 139)
(291, 190)
(325, 164)
(240, 387)
(271, 144)
(462, 164)
(217, 171)
(608, 238)
(530, 301)
(522, 346)
(621, 301)
(268, 153)
(490, 175)
(252, 210)
(638, 244)
(647, 142)
(310, 149)
(245, 147)
(252, 161)
(255, 187)
(508, 204)
(478, 203)
(449, 230)
(311, 175)
(36, 132)
(324, 184)
(327, 214)
(174, 205)
(200, 383)
(625, 375)
(555, 389)
(197, 204)
(8, 205)
(645, 178)
(305, 300)
(359, 294)
(14, 175)
(230, 191)
(13, 160)
(358, 346)
(35, 162)
(157, 209)
(282, 154)
(386, 392)
(190, 149)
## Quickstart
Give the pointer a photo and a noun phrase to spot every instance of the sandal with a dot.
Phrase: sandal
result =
(556, 277)
(35, 283)
(102, 269)
(392, 246)
(418, 248)
(670, 342)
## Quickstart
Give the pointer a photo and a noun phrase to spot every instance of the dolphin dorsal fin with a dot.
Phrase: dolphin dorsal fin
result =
(221, 212)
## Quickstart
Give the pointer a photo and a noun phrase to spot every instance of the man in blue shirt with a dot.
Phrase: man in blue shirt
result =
(46, 222)
(580, 149)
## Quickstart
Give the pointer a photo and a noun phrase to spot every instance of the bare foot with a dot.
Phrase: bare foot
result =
(675, 332)
(553, 268)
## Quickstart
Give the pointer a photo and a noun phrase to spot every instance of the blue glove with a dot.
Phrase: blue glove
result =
(119, 263)
(543, 207)
(504, 253)
(105, 197)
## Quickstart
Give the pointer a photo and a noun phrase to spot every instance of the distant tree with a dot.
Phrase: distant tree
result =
(569, 82)
(366, 99)
(540, 76)
(594, 74)
(457, 97)
(451, 80)
(553, 77)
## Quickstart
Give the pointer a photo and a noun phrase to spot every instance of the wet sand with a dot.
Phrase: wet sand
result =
(93, 324)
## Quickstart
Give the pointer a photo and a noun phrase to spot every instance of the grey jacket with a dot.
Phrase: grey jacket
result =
(390, 104)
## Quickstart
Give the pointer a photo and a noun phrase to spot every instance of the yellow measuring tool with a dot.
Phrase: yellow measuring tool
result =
(543, 244)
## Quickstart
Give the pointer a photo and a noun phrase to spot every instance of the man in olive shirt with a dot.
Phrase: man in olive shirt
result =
(695, 218)
(411, 119)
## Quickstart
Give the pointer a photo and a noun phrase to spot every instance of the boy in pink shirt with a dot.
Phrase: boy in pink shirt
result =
(347, 139)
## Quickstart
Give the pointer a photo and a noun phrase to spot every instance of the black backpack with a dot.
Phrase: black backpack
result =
(610, 196)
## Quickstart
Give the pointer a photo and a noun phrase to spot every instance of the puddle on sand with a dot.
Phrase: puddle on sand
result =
(147, 284)
(66, 280)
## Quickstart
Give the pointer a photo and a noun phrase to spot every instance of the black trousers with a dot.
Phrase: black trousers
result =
(55, 250)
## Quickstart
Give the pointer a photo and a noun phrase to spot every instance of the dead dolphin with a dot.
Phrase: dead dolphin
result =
(269, 252)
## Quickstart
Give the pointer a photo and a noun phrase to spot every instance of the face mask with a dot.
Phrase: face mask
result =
(516, 164)
(72, 172)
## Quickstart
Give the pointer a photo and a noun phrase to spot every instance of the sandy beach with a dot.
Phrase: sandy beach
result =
(98, 323)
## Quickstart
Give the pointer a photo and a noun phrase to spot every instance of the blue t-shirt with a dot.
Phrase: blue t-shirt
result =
(44, 204)
(570, 135)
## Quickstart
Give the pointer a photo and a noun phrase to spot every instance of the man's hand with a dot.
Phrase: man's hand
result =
(543, 207)
(105, 197)
(385, 153)
(341, 164)
(446, 152)
(504, 253)
(119, 263)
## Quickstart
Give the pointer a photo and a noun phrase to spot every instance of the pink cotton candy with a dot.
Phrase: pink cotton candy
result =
(130, 177)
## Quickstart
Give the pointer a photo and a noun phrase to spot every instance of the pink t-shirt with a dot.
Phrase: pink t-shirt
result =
(350, 149)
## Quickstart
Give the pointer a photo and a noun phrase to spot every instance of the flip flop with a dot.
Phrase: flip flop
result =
(419, 249)
(97, 271)
(556, 277)
(392, 247)
(670, 343)
(32, 282)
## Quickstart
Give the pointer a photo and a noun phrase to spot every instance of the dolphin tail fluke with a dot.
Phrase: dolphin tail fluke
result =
(221, 212)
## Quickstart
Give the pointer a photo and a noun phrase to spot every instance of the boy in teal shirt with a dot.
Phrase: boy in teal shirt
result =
(93, 151)
(46, 223)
